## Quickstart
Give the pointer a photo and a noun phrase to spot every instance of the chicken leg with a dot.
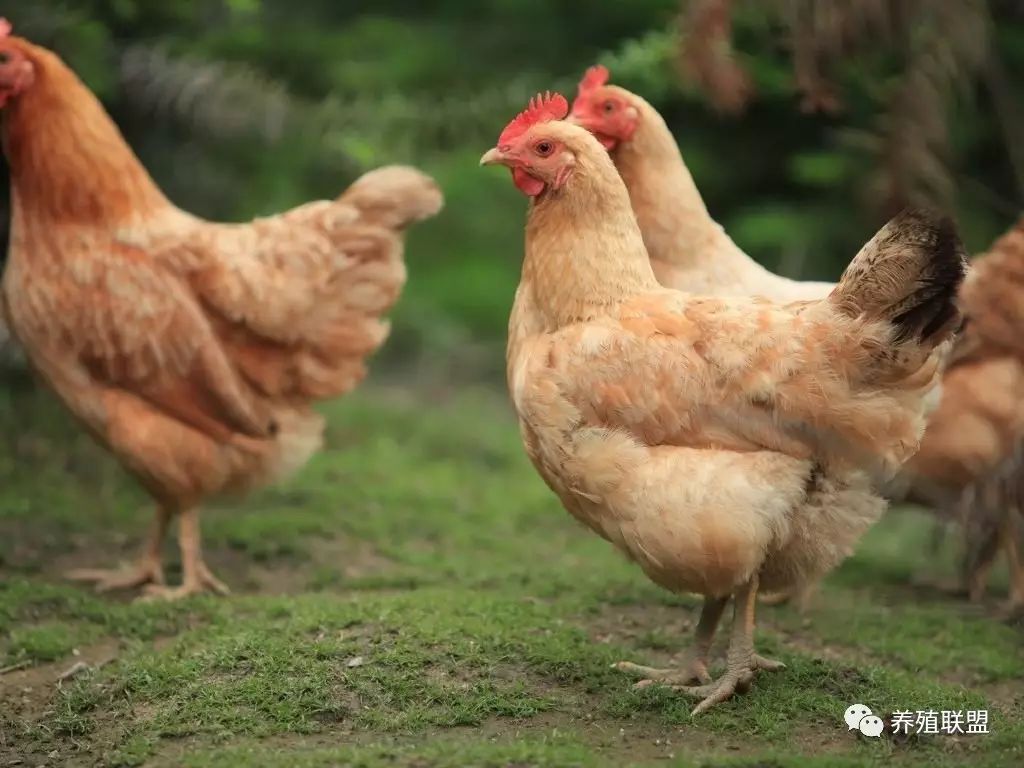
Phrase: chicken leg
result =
(196, 576)
(741, 661)
(147, 570)
(984, 516)
(1011, 545)
(695, 667)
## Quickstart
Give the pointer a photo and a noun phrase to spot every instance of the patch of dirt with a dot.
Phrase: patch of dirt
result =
(1006, 695)
(632, 621)
(42, 676)
(31, 695)
(351, 558)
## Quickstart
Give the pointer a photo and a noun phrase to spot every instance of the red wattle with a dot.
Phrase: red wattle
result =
(527, 184)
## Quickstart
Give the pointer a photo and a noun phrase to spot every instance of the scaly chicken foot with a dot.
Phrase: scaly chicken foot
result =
(741, 661)
(204, 581)
(196, 576)
(735, 680)
(695, 667)
(148, 569)
(692, 669)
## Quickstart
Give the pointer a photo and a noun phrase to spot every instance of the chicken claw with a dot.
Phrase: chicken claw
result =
(763, 662)
(196, 577)
(694, 669)
(732, 682)
(197, 583)
(735, 680)
(146, 571)
(742, 662)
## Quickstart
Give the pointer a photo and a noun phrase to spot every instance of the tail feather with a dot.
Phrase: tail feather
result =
(394, 196)
(909, 275)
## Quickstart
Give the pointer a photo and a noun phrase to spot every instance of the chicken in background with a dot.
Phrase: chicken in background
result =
(969, 465)
(9, 355)
(991, 512)
(191, 349)
(689, 250)
(723, 444)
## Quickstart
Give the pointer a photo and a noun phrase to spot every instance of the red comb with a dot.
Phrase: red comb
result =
(5, 27)
(550, 106)
(594, 77)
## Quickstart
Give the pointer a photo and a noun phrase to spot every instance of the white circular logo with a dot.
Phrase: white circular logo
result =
(871, 725)
(854, 714)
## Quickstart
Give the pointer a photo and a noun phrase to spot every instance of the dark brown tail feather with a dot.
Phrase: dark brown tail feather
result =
(909, 274)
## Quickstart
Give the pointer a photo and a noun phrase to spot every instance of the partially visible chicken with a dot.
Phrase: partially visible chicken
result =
(192, 350)
(991, 511)
(689, 250)
(969, 460)
(723, 444)
(9, 354)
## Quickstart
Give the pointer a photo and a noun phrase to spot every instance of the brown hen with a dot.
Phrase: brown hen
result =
(970, 459)
(191, 349)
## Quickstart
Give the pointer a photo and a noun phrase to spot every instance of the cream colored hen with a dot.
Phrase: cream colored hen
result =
(721, 444)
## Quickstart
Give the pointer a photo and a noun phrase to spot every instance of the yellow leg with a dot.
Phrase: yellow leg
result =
(1011, 544)
(741, 661)
(196, 576)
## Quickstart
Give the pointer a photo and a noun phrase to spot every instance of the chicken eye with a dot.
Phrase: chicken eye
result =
(544, 148)
(609, 107)
(4, 58)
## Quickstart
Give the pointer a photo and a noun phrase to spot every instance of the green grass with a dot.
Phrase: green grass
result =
(416, 597)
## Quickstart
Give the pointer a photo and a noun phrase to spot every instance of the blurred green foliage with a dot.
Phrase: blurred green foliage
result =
(243, 107)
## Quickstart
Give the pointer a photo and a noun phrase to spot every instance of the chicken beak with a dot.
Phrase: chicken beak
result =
(494, 156)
